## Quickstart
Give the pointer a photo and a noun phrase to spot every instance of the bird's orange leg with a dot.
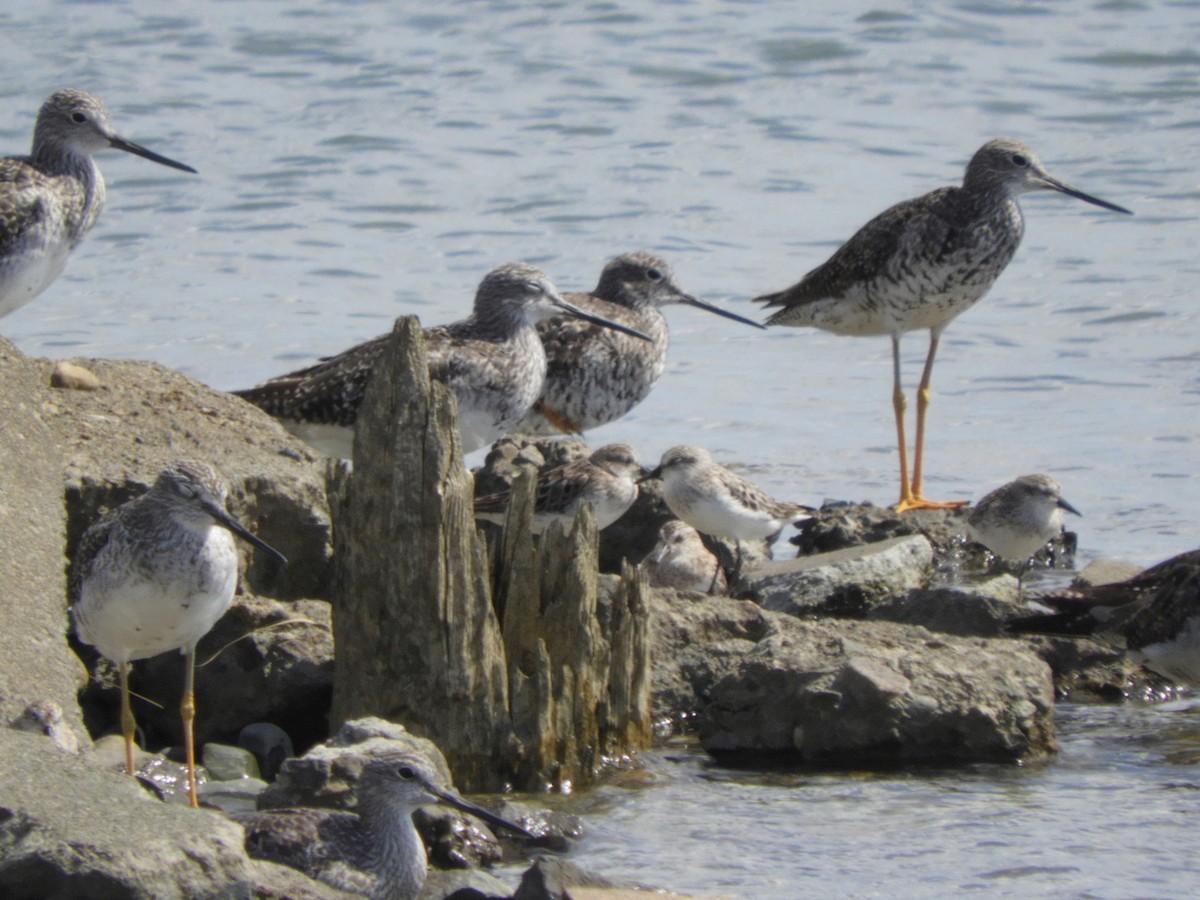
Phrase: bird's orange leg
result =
(128, 726)
(917, 500)
(187, 713)
(900, 406)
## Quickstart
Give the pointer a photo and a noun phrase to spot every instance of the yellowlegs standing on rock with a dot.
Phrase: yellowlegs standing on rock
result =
(595, 376)
(493, 361)
(1017, 520)
(721, 503)
(920, 264)
(155, 575)
(50, 199)
(607, 479)
(375, 851)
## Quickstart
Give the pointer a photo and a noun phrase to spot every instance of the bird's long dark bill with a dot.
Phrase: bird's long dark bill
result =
(573, 310)
(119, 143)
(651, 475)
(480, 813)
(700, 304)
(1056, 185)
(227, 521)
(1063, 504)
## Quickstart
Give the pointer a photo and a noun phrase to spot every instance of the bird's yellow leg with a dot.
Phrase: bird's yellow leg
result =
(128, 726)
(187, 713)
(917, 500)
(900, 406)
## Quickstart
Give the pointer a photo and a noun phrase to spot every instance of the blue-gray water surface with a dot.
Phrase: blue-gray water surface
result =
(360, 161)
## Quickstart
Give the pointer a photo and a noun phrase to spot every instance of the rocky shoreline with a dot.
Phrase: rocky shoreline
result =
(865, 650)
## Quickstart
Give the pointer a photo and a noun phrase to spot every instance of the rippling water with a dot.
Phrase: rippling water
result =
(361, 161)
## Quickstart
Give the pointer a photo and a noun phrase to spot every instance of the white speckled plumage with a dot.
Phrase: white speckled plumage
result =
(595, 376)
(493, 362)
(50, 199)
(680, 560)
(156, 574)
(376, 850)
(918, 265)
(607, 479)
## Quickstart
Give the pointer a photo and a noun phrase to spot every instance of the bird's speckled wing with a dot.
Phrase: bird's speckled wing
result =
(305, 839)
(923, 223)
(21, 207)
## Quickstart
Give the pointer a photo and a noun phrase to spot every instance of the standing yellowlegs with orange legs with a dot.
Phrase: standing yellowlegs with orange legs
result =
(607, 479)
(50, 199)
(594, 375)
(1018, 519)
(493, 362)
(155, 575)
(375, 850)
(920, 264)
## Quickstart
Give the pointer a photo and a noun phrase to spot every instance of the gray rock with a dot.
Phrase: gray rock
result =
(36, 666)
(269, 743)
(463, 884)
(845, 582)
(552, 879)
(976, 609)
(111, 840)
(226, 763)
(842, 692)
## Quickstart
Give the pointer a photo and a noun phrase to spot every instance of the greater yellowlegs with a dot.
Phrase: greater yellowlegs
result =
(920, 264)
(376, 850)
(50, 199)
(607, 479)
(594, 375)
(155, 575)
(493, 362)
(721, 503)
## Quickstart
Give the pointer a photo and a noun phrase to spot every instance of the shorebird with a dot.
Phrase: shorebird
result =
(607, 479)
(51, 198)
(374, 851)
(1017, 520)
(1157, 611)
(155, 575)
(680, 560)
(721, 503)
(918, 265)
(493, 361)
(595, 376)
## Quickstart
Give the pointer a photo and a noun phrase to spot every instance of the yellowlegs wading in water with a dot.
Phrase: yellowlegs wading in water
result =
(607, 479)
(721, 503)
(50, 199)
(493, 362)
(1018, 519)
(155, 575)
(374, 851)
(594, 375)
(920, 264)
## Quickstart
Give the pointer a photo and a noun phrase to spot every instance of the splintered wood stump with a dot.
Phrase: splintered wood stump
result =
(544, 699)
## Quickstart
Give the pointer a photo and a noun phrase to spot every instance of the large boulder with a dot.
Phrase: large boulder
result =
(844, 692)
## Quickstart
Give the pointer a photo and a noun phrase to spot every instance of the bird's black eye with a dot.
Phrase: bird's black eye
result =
(78, 118)
(406, 772)
(1020, 159)
(654, 274)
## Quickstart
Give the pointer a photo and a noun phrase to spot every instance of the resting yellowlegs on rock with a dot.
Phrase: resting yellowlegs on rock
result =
(594, 375)
(374, 851)
(920, 264)
(1018, 519)
(155, 575)
(50, 199)
(493, 361)
(607, 479)
(721, 503)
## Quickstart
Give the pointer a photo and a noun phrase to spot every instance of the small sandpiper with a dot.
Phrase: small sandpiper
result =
(376, 850)
(680, 560)
(721, 503)
(1018, 519)
(50, 199)
(595, 376)
(918, 265)
(155, 575)
(493, 361)
(607, 479)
